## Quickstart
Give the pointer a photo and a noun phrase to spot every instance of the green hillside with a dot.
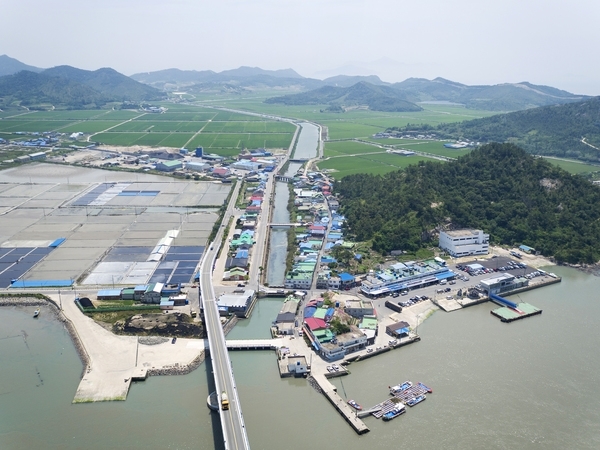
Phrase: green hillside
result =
(549, 130)
(28, 88)
(376, 98)
(499, 188)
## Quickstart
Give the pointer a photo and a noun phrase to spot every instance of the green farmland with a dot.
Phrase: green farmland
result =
(220, 132)
(377, 164)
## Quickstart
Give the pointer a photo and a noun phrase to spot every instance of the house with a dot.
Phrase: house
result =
(314, 324)
(298, 280)
(241, 263)
(359, 308)
(334, 283)
(343, 344)
(153, 293)
(235, 274)
(346, 280)
(317, 230)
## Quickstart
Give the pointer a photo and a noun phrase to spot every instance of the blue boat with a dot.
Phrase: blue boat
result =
(398, 410)
(416, 400)
(421, 385)
(401, 387)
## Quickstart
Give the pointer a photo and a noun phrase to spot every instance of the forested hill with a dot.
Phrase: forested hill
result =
(550, 130)
(499, 188)
(377, 98)
(66, 86)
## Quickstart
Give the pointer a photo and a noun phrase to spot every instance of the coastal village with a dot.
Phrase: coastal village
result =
(340, 305)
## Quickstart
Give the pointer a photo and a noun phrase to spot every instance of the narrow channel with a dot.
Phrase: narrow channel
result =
(308, 140)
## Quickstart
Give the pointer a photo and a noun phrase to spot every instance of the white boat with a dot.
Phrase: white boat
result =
(36, 312)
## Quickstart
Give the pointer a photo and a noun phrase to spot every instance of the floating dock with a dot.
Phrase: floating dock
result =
(523, 310)
(404, 396)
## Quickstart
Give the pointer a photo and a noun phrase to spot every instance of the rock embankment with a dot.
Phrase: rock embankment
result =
(177, 369)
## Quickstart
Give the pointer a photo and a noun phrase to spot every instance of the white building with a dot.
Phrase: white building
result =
(464, 242)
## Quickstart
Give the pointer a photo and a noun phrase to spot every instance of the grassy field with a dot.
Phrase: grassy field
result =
(574, 167)
(377, 164)
(433, 147)
(349, 148)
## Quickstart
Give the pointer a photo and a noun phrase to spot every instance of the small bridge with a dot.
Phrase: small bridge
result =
(255, 344)
(283, 178)
(284, 225)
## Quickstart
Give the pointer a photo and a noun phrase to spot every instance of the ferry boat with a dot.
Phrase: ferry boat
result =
(425, 387)
(398, 410)
(400, 387)
(355, 405)
(36, 312)
(416, 400)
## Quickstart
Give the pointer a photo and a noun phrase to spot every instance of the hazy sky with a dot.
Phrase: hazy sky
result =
(552, 42)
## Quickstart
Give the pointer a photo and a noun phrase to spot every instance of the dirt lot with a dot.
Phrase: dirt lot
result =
(168, 324)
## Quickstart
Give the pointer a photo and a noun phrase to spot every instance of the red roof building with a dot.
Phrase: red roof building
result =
(315, 324)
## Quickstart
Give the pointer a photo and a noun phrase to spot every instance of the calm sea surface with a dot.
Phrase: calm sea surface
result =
(526, 385)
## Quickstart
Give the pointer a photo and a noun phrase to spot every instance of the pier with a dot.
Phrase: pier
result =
(348, 412)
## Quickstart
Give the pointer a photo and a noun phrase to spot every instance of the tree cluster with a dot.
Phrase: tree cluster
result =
(498, 188)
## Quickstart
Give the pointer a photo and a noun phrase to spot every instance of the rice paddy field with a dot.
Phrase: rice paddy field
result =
(376, 164)
(351, 145)
(221, 132)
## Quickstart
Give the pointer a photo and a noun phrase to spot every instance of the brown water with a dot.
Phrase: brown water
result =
(531, 384)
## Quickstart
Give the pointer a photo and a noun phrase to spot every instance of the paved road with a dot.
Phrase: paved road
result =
(232, 421)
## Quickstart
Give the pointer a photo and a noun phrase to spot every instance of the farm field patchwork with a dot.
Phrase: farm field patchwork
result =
(221, 132)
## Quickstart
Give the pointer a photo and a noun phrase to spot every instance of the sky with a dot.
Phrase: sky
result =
(549, 42)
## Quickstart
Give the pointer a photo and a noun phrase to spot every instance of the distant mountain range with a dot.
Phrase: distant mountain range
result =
(67, 86)
(348, 91)
(569, 131)
(9, 66)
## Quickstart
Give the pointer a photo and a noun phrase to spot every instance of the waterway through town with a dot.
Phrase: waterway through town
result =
(529, 384)
(308, 141)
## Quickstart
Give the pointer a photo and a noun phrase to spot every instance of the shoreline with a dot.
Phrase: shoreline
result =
(171, 369)
(19, 301)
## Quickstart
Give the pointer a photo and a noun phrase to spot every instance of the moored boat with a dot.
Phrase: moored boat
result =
(416, 400)
(425, 387)
(355, 405)
(36, 312)
(398, 410)
(400, 387)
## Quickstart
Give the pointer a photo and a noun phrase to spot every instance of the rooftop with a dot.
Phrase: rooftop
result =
(463, 233)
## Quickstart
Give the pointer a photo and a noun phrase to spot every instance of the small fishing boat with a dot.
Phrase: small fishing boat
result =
(398, 410)
(355, 405)
(425, 387)
(36, 312)
(400, 387)
(416, 400)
